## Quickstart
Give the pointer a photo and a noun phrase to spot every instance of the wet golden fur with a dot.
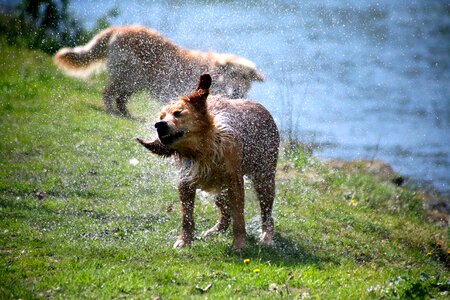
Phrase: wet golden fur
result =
(138, 58)
(216, 142)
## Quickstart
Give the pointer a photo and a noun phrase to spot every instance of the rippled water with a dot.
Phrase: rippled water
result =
(360, 79)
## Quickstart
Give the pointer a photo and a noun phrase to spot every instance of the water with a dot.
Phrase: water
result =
(361, 79)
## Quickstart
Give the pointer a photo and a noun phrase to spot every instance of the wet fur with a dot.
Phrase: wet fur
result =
(138, 58)
(221, 141)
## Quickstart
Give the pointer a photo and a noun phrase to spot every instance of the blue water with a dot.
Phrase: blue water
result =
(360, 79)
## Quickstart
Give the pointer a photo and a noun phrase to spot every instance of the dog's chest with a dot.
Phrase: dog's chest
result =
(208, 177)
(213, 183)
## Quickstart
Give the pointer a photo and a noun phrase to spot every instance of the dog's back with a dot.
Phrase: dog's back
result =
(254, 127)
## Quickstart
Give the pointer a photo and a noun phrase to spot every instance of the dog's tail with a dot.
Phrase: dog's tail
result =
(82, 61)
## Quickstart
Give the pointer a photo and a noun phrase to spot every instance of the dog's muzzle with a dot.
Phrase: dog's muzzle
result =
(162, 128)
(164, 133)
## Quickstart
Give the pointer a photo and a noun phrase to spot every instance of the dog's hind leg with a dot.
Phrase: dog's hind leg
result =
(109, 98)
(113, 94)
(265, 190)
(236, 197)
(121, 101)
(224, 215)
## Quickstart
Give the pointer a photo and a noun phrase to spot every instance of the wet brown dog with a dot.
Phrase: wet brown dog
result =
(138, 58)
(216, 142)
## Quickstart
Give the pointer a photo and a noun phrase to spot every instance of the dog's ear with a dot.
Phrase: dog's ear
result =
(251, 73)
(204, 83)
(156, 147)
(255, 75)
(198, 98)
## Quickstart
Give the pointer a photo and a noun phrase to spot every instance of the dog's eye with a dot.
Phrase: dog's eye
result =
(177, 114)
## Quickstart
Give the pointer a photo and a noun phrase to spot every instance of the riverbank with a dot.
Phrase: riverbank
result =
(435, 204)
(86, 213)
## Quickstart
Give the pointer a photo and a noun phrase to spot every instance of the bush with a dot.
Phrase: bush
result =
(47, 25)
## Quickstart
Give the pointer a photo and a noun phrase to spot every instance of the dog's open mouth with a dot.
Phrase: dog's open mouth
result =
(171, 138)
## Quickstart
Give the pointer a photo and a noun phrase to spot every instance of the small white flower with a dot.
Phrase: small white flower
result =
(133, 162)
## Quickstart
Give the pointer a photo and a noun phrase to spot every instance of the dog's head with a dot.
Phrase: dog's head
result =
(183, 122)
(234, 75)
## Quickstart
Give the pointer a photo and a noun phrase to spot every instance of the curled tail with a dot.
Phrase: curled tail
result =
(81, 61)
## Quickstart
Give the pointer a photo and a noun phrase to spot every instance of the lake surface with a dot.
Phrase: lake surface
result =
(359, 79)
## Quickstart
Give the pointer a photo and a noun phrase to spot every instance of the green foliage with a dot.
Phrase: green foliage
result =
(411, 287)
(78, 220)
(47, 25)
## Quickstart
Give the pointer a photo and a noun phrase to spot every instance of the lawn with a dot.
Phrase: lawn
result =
(86, 212)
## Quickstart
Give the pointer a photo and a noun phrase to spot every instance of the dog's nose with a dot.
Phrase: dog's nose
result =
(160, 124)
(162, 127)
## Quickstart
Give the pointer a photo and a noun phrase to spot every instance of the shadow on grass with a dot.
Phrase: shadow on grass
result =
(97, 108)
(284, 252)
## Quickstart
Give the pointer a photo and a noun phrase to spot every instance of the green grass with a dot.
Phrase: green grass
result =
(105, 228)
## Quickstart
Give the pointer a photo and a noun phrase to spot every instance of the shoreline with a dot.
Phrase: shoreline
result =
(435, 203)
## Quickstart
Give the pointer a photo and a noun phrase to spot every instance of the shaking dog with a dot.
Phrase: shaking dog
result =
(216, 142)
(138, 58)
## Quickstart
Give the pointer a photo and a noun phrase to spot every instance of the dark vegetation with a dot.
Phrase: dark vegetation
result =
(47, 25)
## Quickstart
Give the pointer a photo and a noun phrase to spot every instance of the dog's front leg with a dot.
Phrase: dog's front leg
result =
(187, 196)
(156, 147)
(236, 197)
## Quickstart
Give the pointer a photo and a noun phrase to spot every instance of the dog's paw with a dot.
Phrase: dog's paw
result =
(266, 239)
(209, 233)
(216, 229)
(182, 242)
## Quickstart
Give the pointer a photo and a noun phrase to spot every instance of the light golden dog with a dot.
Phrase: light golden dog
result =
(216, 142)
(138, 58)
